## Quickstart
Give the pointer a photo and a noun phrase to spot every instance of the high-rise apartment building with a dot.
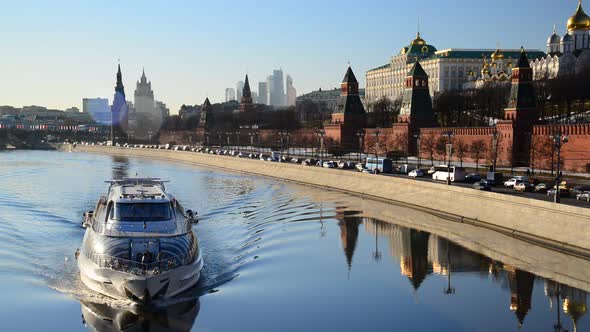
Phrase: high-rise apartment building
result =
(262, 93)
(230, 94)
(291, 92)
(98, 108)
(239, 89)
(277, 89)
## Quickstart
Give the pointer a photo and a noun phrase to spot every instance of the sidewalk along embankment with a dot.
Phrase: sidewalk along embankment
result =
(559, 227)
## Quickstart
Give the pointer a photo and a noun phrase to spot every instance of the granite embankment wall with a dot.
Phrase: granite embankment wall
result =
(560, 227)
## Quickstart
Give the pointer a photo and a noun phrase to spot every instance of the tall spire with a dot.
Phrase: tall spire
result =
(246, 92)
(119, 87)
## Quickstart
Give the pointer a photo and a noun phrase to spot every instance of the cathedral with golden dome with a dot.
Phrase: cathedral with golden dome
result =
(567, 55)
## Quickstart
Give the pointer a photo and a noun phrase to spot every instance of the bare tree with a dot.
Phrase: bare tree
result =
(477, 149)
(428, 145)
(462, 149)
(441, 148)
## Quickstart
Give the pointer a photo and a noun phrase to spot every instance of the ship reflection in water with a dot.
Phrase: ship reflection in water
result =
(177, 317)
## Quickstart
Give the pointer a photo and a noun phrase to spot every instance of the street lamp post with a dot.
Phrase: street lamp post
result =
(376, 134)
(559, 139)
(450, 153)
(360, 134)
(220, 141)
(238, 140)
(251, 134)
(227, 136)
(285, 137)
(321, 137)
(418, 149)
(207, 134)
(494, 135)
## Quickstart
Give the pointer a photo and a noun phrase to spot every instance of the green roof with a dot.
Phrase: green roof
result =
(480, 54)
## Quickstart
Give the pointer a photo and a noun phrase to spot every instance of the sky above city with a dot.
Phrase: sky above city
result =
(57, 52)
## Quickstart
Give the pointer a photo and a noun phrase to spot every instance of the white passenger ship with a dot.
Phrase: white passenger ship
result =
(139, 243)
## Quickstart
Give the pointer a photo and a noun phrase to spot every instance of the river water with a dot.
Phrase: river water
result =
(278, 256)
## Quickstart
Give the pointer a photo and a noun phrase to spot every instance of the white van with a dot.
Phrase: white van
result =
(442, 173)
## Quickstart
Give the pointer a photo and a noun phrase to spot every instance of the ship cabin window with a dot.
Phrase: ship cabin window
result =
(142, 211)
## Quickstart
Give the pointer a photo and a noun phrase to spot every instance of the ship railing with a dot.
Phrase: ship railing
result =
(144, 268)
(129, 228)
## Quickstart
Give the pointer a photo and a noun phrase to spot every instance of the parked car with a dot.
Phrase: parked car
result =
(417, 173)
(541, 188)
(580, 189)
(524, 186)
(562, 192)
(308, 162)
(329, 164)
(405, 168)
(482, 185)
(510, 183)
(583, 196)
(360, 167)
(472, 178)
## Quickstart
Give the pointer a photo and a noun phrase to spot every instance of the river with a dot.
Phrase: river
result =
(278, 256)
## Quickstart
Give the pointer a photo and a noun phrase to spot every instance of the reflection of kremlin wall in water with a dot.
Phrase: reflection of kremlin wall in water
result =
(421, 254)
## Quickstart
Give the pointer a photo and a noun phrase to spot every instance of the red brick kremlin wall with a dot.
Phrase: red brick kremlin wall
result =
(575, 153)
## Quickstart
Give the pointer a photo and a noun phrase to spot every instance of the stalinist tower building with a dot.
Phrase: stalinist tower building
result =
(144, 97)
(147, 117)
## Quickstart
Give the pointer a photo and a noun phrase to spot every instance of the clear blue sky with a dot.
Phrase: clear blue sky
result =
(54, 53)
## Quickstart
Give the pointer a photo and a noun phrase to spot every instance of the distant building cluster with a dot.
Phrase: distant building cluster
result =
(277, 91)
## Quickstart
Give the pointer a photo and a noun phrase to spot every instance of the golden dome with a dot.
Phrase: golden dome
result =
(579, 21)
(418, 40)
(497, 55)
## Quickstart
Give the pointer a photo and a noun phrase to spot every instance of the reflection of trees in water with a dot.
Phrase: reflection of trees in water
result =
(572, 301)
(120, 167)
(177, 317)
(420, 254)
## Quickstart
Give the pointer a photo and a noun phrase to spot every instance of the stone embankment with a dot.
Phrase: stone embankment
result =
(557, 227)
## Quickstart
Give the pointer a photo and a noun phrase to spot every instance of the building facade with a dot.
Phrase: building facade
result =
(98, 108)
(447, 69)
(291, 92)
(230, 94)
(239, 89)
(262, 93)
(569, 54)
(144, 98)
